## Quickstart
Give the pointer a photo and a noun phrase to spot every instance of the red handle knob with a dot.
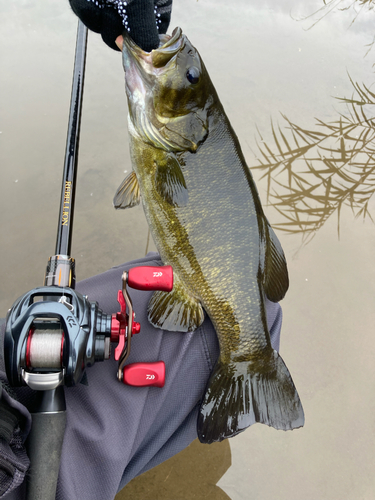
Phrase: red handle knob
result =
(151, 278)
(145, 374)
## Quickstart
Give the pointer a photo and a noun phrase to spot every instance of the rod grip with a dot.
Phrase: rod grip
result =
(44, 447)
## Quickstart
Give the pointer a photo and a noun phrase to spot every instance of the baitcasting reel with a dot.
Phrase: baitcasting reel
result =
(53, 333)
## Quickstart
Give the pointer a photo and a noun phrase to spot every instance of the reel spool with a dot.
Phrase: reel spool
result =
(45, 347)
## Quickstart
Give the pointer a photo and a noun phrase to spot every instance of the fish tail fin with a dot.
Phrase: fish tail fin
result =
(241, 394)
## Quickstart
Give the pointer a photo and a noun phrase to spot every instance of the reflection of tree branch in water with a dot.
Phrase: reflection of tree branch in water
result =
(329, 5)
(320, 171)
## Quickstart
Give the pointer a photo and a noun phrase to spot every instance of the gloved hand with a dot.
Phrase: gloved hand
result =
(144, 19)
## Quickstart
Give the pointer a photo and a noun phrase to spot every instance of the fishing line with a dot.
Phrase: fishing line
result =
(148, 241)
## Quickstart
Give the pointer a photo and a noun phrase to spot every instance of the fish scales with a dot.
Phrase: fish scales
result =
(221, 260)
(206, 219)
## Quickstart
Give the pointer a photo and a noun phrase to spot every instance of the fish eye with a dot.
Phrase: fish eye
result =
(193, 75)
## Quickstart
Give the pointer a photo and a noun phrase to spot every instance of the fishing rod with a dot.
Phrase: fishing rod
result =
(53, 332)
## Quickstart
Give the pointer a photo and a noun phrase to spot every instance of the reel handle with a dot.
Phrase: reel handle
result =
(151, 278)
(144, 374)
(124, 326)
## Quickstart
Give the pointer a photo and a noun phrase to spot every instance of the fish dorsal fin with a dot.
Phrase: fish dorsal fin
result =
(276, 281)
(128, 194)
(176, 311)
(170, 182)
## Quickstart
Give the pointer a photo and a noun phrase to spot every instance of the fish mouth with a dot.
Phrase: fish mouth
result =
(142, 70)
(142, 67)
(169, 46)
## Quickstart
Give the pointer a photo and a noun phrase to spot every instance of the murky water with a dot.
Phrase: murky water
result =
(265, 63)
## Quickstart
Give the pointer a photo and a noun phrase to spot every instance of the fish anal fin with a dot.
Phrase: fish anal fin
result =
(175, 311)
(170, 182)
(239, 395)
(276, 281)
(128, 194)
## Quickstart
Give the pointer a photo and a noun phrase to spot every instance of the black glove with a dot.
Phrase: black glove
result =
(15, 423)
(144, 19)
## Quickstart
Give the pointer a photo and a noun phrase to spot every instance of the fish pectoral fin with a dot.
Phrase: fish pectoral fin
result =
(170, 182)
(176, 311)
(128, 194)
(276, 281)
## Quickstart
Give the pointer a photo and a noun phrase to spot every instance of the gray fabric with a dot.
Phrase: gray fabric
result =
(115, 432)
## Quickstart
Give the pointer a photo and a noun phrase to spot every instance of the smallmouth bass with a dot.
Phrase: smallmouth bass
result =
(206, 219)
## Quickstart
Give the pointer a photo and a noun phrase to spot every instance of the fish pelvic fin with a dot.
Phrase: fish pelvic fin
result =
(241, 394)
(128, 195)
(176, 311)
(276, 281)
